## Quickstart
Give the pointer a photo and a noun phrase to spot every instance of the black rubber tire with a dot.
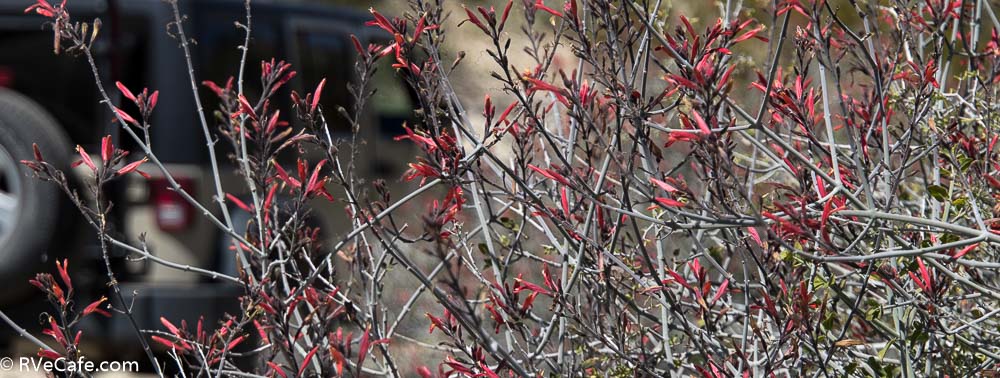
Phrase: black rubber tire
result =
(41, 204)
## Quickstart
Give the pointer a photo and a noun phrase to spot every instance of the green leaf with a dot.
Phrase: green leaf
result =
(885, 349)
(829, 322)
(505, 241)
(819, 282)
(964, 162)
(874, 311)
(874, 364)
(938, 192)
(851, 368)
(508, 223)
(960, 202)
(948, 238)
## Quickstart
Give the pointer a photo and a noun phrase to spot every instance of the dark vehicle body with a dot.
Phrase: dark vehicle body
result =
(137, 47)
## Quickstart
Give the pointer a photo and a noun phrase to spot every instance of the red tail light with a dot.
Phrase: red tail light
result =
(172, 212)
(6, 77)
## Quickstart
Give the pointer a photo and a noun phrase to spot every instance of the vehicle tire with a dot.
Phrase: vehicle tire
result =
(30, 209)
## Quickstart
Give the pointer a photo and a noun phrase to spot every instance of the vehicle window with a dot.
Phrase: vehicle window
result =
(219, 54)
(61, 84)
(127, 61)
(392, 102)
(327, 54)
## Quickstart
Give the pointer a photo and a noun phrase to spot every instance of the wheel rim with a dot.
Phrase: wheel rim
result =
(10, 194)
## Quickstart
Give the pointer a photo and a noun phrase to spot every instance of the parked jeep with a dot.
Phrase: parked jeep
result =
(52, 100)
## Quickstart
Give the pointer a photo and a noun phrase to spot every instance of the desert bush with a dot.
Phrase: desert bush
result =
(661, 205)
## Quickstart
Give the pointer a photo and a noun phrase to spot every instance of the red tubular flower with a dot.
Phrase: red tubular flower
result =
(282, 67)
(235, 342)
(539, 85)
(725, 78)
(306, 359)
(474, 20)
(436, 322)
(236, 201)
(45, 353)
(125, 92)
(402, 63)
(43, 8)
(95, 307)
(564, 200)
(506, 12)
(314, 179)
(107, 149)
(783, 226)
(702, 125)
(338, 358)
(719, 292)
(283, 175)
(529, 302)
(793, 5)
(316, 95)
(169, 344)
(278, 370)
(174, 330)
(272, 122)
(381, 22)
(152, 100)
(422, 170)
(828, 210)
(125, 117)
(681, 136)
(424, 142)
(540, 5)
(170, 326)
(520, 285)
(551, 283)
(64, 274)
(751, 34)
(58, 293)
(261, 332)
(422, 27)
(675, 79)
(926, 282)
(550, 174)
(36, 282)
(133, 167)
(497, 318)
(755, 236)
(487, 372)
(570, 10)
(506, 112)
(424, 372)
(85, 159)
(458, 367)
(488, 109)
(316, 185)
(965, 250)
(245, 108)
(366, 345)
(357, 45)
(213, 87)
(668, 202)
(663, 185)
(55, 332)
(38, 153)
